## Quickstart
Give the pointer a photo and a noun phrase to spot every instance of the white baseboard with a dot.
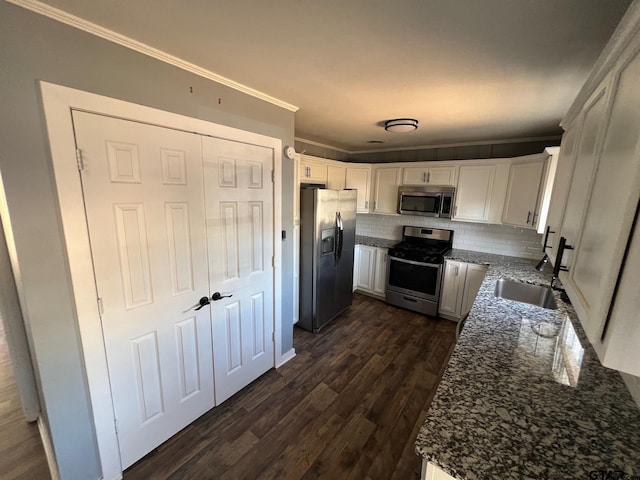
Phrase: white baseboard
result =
(48, 449)
(286, 357)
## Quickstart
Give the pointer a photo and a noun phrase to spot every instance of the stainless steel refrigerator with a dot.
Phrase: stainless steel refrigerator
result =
(327, 241)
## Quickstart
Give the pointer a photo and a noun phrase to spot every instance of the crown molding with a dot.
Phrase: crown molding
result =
(94, 29)
(323, 145)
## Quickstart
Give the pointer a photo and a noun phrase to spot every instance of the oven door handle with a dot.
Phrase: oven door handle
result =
(422, 264)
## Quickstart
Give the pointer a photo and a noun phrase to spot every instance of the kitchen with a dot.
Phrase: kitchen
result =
(40, 275)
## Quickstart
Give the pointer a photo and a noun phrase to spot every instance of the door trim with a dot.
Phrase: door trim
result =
(58, 102)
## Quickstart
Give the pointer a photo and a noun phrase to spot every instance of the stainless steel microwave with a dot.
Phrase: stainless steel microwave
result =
(426, 201)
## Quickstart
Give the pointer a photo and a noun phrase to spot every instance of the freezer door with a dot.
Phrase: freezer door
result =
(325, 256)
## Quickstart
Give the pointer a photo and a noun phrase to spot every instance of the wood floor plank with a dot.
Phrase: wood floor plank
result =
(22, 454)
(348, 406)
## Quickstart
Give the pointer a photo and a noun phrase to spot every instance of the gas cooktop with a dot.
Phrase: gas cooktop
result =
(424, 245)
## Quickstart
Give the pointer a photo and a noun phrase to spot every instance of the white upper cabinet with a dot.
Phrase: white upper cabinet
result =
(560, 191)
(335, 176)
(546, 186)
(385, 190)
(524, 192)
(602, 270)
(429, 175)
(584, 170)
(359, 178)
(312, 170)
(474, 193)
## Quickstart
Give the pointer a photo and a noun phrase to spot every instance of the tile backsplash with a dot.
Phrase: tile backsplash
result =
(479, 237)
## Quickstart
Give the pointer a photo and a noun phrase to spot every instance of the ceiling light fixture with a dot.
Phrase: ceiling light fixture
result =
(401, 125)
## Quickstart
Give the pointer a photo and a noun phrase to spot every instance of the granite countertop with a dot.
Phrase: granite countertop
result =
(375, 242)
(524, 395)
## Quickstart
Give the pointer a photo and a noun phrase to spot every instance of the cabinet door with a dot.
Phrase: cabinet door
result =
(582, 178)
(442, 175)
(431, 472)
(472, 282)
(610, 209)
(380, 282)
(358, 178)
(414, 176)
(366, 267)
(386, 190)
(356, 263)
(523, 191)
(560, 190)
(429, 175)
(313, 171)
(335, 177)
(452, 288)
(473, 195)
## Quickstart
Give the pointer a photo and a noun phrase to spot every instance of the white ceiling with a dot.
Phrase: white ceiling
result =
(471, 71)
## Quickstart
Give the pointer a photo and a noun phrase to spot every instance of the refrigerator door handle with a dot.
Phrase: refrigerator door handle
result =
(339, 236)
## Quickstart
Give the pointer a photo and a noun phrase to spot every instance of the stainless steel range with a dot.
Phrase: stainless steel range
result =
(414, 269)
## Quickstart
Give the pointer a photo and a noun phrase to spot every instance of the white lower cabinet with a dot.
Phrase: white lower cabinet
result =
(380, 273)
(370, 270)
(432, 472)
(460, 285)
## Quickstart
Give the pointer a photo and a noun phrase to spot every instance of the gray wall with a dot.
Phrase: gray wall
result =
(34, 48)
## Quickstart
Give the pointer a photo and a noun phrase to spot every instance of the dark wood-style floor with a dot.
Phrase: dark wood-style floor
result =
(21, 452)
(348, 406)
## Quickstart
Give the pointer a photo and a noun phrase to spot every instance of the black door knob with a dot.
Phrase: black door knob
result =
(217, 296)
(204, 301)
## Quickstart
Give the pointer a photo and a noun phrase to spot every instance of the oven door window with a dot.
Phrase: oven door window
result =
(421, 204)
(411, 277)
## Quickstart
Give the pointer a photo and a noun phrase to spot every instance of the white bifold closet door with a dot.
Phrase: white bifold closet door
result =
(168, 227)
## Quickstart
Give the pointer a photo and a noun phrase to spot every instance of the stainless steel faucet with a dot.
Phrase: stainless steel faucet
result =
(543, 261)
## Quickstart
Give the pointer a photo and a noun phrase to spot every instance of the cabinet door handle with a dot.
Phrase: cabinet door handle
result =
(457, 270)
(455, 211)
(366, 204)
(533, 222)
(428, 177)
(546, 238)
(528, 217)
(424, 177)
(558, 267)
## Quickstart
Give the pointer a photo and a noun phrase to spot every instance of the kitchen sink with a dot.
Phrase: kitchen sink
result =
(523, 292)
